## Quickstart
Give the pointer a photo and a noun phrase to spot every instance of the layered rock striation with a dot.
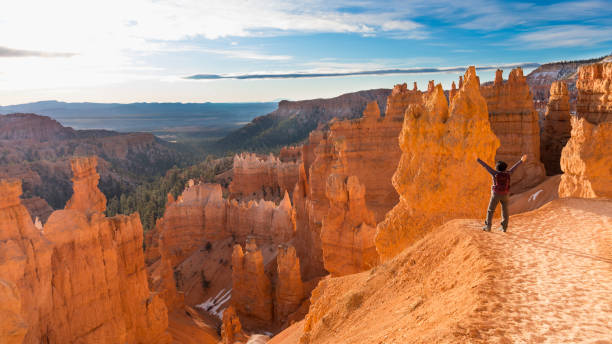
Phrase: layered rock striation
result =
(585, 159)
(348, 230)
(201, 215)
(437, 178)
(557, 127)
(595, 92)
(82, 277)
(289, 289)
(515, 122)
(251, 287)
(263, 178)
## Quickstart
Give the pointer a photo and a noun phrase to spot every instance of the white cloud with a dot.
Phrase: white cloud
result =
(563, 36)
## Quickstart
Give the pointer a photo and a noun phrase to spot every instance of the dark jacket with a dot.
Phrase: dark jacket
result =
(493, 173)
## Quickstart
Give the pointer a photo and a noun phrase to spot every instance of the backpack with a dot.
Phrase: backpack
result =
(502, 182)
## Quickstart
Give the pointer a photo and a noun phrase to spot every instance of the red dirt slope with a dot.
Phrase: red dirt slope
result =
(547, 280)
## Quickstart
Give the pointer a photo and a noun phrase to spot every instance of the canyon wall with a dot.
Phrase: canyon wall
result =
(82, 277)
(437, 177)
(201, 214)
(263, 178)
(586, 160)
(515, 122)
(289, 287)
(556, 128)
(595, 92)
(364, 151)
(251, 287)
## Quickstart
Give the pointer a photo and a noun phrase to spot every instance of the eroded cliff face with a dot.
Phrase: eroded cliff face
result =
(348, 230)
(86, 196)
(201, 215)
(289, 287)
(586, 160)
(251, 287)
(556, 129)
(515, 122)
(263, 178)
(595, 92)
(364, 151)
(437, 178)
(82, 277)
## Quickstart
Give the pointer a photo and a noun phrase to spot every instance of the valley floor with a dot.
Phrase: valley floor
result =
(547, 280)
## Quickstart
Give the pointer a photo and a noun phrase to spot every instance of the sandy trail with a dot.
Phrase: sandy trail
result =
(547, 280)
(554, 278)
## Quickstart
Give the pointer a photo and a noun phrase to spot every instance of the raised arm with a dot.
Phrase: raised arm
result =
(523, 158)
(487, 167)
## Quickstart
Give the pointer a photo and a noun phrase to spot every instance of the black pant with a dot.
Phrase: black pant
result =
(504, 200)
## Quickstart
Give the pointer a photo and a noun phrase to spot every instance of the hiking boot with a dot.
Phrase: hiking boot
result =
(502, 229)
(486, 228)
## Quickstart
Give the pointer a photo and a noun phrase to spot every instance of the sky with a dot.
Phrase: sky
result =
(250, 50)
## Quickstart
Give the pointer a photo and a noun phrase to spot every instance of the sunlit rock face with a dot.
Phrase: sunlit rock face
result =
(86, 196)
(363, 150)
(251, 287)
(289, 287)
(586, 160)
(595, 92)
(515, 122)
(557, 127)
(264, 178)
(81, 277)
(437, 178)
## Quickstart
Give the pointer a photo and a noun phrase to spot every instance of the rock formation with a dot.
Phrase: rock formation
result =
(12, 327)
(268, 178)
(586, 160)
(82, 278)
(347, 234)
(515, 122)
(86, 196)
(365, 148)
(437, 178)
(595, 92)
(289, 288)
(231, 330)
(251, 287)
(556, 129)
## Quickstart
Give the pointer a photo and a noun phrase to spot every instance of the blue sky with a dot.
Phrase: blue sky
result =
(145, 50)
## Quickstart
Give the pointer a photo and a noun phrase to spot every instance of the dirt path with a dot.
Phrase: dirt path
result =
(553, 282)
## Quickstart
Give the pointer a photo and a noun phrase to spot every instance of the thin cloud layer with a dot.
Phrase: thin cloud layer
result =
(8, 52)
(355, 73)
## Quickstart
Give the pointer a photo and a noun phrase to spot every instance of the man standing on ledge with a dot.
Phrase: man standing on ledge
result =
(499, 191)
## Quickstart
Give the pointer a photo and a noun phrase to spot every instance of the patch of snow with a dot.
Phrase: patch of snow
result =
(533, 197)
(213, 305)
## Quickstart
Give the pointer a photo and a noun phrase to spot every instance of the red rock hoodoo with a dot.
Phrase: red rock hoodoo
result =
(289, 288)
(438, 147)
(594, 92)
(263, 178)
(251, 287)
(515, 122)
(82, 277)
(586, 160)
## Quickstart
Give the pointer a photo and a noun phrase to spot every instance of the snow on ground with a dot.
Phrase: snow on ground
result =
(213, 305)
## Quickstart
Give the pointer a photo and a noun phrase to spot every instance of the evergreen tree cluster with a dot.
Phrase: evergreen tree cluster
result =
(149, 199)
